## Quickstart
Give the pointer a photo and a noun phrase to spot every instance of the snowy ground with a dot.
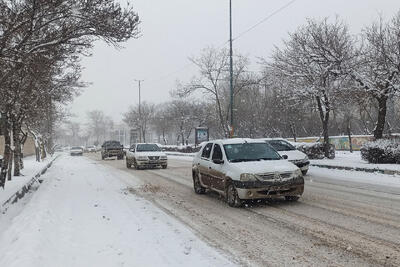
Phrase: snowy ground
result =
(84, 215)
(347, 159)
(31, 168)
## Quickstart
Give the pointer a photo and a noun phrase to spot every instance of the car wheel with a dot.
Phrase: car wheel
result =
(164, 166)
(102, 157)
(232, 197)
(120, 157)
(304, 172)
(128, 165)
(198, 188)
(135, 166)
(292, 198)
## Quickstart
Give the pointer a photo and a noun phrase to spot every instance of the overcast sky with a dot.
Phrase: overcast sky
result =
(173, 30)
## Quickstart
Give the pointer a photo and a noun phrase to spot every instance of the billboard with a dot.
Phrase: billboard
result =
(201, 135)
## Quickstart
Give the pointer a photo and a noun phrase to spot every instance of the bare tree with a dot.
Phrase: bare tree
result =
(379, 69)
(135, 119)
(313, 61)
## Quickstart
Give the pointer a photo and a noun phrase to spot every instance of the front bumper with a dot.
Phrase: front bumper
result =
(269, 189)
(151, 163)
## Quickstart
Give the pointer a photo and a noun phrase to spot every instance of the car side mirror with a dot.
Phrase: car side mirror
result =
(285, 157)
(218, 161)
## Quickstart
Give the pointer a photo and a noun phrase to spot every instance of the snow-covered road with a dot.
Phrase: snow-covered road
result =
(83, 215)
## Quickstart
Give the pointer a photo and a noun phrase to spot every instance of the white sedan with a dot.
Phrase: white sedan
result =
(146, 155)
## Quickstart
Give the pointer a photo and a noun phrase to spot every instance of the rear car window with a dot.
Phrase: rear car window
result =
(206, 151)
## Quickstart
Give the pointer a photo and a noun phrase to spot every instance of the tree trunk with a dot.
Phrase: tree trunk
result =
(380, 123)
(17, 150)
(324, 116)
(7, 150)
(349, 135)
(293, 130)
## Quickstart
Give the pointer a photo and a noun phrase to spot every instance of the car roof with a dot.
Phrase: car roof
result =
(146, 144)
(236, 141)
(272, 139)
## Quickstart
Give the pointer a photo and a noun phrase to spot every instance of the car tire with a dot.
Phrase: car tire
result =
(304, 172)
(164, 166)
(198, 188)
(102, 157)
(120, 157)
(135, 166)
(232, 197)
(292, 198)
(128, 165)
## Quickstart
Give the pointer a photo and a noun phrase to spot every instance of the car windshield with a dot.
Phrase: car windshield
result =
(76, 147)
(147, 147)
(112, 143)
(281, 145)
(250, 152)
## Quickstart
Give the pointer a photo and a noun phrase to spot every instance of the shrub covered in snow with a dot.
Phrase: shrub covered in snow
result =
(315, 150)
(182, 149)
(381, 151)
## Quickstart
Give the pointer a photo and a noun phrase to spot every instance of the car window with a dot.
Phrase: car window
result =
(281, 145)
(217, 154)
(206, 151)
(147, 148)
(250, 152)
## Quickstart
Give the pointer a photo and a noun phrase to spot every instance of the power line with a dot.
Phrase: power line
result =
(227, 42)
(265, 19)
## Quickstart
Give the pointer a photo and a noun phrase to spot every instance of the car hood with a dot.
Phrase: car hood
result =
(293, 154)
(151, 153)
(265, 166)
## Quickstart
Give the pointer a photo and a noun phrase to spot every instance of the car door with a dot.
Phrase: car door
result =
(215, 168)
(204, 164)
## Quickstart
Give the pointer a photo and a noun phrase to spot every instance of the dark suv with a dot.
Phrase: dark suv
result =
(112, 149)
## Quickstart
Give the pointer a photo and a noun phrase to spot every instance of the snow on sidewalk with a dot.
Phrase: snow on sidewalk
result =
(353, 160)
(31, 168)
(82, 215)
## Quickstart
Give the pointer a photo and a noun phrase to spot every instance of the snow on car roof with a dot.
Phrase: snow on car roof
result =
(237, 141)
(271, 139)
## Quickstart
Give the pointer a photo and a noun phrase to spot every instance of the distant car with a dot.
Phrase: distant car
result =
(241, 169)
(112, 149)
(91, 149)
(76, 151)
(295, 156)
(146, 156)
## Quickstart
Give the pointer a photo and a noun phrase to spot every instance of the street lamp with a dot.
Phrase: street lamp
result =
(231, 65)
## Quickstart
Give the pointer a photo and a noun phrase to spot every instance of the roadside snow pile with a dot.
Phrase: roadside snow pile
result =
(182, 149)
(315, 150)
(381, 151)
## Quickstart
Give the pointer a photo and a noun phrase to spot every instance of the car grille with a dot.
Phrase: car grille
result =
(275, 175)
(154, 158)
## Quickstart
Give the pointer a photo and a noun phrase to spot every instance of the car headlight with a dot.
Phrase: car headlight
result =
(298, 173)
(142, 158)
(248, 177)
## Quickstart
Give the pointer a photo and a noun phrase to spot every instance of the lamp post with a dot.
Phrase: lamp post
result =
(231, 66)
(140, 113)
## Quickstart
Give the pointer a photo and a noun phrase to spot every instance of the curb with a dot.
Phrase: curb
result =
(369, 170)
(25, 189)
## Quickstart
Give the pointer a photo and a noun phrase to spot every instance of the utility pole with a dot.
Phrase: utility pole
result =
(231, 66)
(140, 113)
